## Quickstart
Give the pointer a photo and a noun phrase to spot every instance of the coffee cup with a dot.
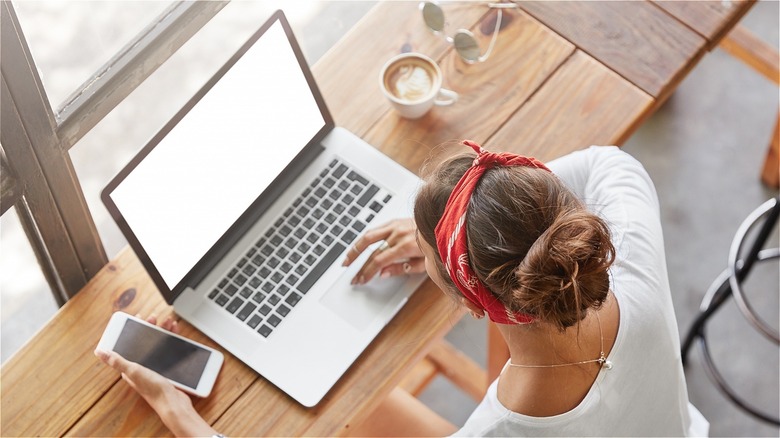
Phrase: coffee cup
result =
(412, 84)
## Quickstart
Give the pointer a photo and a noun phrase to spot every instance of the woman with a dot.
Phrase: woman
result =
(569, 262)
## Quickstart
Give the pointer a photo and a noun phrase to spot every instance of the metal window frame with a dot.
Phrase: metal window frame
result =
(38, 177)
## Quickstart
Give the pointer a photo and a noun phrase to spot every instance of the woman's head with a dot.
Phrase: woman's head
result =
(531, 242)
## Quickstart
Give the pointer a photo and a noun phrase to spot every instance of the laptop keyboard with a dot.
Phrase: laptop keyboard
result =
(274, 275)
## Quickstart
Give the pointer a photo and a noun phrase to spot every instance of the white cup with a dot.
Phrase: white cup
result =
(412, 84)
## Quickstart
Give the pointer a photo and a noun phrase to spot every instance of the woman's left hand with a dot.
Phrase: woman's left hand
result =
(172, 405)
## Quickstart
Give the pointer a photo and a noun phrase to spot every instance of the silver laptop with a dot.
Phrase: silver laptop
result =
(242, 208)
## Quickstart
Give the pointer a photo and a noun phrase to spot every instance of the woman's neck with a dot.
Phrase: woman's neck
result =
(543, 390)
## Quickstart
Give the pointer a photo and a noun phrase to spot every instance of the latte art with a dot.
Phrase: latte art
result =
(411, 82)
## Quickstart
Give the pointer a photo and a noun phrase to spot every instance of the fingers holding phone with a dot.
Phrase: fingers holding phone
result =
(160, 365)
(186, 364)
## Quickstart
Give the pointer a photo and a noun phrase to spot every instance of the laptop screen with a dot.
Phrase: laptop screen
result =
(222, 154)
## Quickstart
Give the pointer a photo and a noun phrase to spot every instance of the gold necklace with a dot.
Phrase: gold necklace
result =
(602, 359)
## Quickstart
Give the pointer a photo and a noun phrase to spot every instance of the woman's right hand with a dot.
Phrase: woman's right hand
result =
(400, 255)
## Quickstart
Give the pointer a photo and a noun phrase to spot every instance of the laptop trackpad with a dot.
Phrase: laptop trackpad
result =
(360, 304)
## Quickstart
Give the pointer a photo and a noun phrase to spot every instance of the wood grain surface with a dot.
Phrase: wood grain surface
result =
(636, 39)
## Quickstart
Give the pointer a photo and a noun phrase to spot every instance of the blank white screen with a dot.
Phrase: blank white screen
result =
(220, 157)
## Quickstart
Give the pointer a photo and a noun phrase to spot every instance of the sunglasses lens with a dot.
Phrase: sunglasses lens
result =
(466, 46)
(433, 16)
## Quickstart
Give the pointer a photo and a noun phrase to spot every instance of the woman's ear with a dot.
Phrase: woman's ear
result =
(476, 311)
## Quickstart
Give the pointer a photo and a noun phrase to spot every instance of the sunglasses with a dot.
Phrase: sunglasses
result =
(465, 42)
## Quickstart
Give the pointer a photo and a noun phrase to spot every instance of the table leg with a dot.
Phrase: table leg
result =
(770, 175)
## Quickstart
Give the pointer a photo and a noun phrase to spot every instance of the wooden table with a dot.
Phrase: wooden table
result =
(563, 75)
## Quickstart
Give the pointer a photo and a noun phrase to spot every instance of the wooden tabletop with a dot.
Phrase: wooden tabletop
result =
(563, 75)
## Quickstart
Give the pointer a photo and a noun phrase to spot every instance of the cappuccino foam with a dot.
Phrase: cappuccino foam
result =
(410, 81)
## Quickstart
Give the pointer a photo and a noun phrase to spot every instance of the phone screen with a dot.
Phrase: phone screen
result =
(170, 356)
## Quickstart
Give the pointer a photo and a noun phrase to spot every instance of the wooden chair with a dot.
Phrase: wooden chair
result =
(459, 368)
(762, 57)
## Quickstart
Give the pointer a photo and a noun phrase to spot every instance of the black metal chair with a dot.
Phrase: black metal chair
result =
(728, 284)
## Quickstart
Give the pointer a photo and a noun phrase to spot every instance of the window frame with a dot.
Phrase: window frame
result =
(38, 178)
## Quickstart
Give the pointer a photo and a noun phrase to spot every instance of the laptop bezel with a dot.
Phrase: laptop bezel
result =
(226, 242)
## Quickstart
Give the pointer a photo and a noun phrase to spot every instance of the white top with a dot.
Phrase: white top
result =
(644, 394)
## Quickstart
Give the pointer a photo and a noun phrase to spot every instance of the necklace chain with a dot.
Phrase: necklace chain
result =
(602, 359)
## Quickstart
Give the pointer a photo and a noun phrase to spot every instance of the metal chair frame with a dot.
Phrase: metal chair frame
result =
(729, 283)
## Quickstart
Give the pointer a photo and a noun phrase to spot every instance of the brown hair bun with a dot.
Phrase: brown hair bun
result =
(566, 270)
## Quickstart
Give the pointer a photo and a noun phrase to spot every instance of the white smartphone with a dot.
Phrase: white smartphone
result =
(190, 366)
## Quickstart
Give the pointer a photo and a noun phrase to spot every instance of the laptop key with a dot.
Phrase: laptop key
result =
(246, 292)
(264, 330)
(316, 272)
(339, 171)
(222, 299)
(368, 195)
(249, 270)
(258, 260)
(274, 320)
(354, 176)
(283, 310)
(231, 289)
(283, 289)
(265, 309)
(293, 299)
(348, 237)
(213, 294)
(254, 321)
(234, 305)
(258, 297)
(246, 311)
(273, 299)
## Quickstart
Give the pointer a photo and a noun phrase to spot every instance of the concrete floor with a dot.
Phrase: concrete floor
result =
(703, 149)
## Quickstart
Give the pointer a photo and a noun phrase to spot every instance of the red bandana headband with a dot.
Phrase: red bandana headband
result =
(451, 234)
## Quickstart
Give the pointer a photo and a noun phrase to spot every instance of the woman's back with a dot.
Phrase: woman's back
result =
(644, 392)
